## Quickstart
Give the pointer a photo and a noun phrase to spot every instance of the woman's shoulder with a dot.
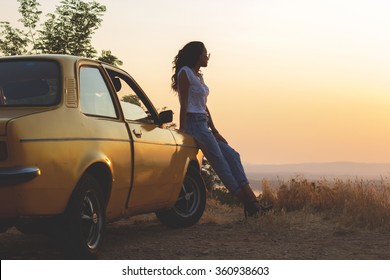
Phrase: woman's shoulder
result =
(186, 69)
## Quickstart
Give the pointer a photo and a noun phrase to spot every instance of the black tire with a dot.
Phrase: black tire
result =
(190, 204)
(85, 219)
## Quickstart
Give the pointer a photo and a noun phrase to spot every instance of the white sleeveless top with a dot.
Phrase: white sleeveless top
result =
(197, 91)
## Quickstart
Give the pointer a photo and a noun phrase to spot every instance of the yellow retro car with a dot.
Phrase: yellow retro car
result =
(74, 156)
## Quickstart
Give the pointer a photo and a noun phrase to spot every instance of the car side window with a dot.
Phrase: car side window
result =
(133, 112)
(132, 106)
(95, 98)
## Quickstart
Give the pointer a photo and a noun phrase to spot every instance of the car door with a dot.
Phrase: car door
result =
(104, 135)
(155, 178)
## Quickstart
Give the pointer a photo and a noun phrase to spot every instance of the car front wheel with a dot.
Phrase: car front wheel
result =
(190, 204)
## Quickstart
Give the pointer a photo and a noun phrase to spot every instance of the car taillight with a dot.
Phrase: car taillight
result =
(3, 151)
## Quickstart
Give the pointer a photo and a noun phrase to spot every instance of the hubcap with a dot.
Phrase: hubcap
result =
(95, 218)
(188, 200)
(90, 220)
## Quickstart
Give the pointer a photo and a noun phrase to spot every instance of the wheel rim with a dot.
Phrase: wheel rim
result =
(188, 201)
(91, 220)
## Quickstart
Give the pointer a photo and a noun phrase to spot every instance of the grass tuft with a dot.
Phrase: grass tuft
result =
(361, 203)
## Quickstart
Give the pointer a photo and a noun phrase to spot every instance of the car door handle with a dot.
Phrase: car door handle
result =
(137, 132)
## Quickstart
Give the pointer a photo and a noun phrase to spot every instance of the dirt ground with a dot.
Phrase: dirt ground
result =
(222, 233)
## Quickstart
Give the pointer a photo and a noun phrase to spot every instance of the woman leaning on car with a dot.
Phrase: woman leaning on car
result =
(195, 119)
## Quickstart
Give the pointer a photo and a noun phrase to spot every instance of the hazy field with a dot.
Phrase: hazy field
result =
(276, 174)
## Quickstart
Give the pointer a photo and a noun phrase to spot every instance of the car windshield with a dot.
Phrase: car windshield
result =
(29, 83)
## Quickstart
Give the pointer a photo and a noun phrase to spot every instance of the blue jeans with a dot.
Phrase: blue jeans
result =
(223, 159)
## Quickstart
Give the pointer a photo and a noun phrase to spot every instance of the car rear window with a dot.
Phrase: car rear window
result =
(29, 83)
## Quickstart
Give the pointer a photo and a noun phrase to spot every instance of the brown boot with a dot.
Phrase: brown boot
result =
(252, 206)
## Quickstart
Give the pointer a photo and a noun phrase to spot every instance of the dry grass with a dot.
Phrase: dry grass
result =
(359, 203)
(217, 213)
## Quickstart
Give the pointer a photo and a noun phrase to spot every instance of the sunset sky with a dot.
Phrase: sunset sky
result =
(290, 81)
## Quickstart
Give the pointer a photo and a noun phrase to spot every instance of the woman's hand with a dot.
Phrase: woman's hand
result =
(213, 129)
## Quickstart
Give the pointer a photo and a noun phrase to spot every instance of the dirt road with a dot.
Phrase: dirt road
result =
(221, 234)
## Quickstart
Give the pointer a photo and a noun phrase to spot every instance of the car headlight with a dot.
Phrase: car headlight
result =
(3, 151)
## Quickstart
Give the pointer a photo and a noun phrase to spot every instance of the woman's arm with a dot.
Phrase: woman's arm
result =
(213, 129)
(183, 92)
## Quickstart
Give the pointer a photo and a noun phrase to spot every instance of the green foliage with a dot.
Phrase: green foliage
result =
(209, 176)
(30, 17)
(133, 99)
(68, 30)
(13, 41)
(109, 58)
(30, 13)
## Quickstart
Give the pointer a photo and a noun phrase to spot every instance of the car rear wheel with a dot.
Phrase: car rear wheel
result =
(190, 204)
(85, 219)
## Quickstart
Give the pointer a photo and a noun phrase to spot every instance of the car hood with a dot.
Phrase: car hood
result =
(7, 114)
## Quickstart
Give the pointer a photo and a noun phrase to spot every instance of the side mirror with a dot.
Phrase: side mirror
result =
(166, 116)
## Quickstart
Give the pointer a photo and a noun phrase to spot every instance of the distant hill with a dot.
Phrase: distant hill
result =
(315, 171)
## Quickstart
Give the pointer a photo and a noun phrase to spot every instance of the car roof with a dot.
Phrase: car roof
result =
(64, 59)
(47, 56)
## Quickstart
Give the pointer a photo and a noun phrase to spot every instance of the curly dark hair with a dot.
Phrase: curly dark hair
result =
(187, 56)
